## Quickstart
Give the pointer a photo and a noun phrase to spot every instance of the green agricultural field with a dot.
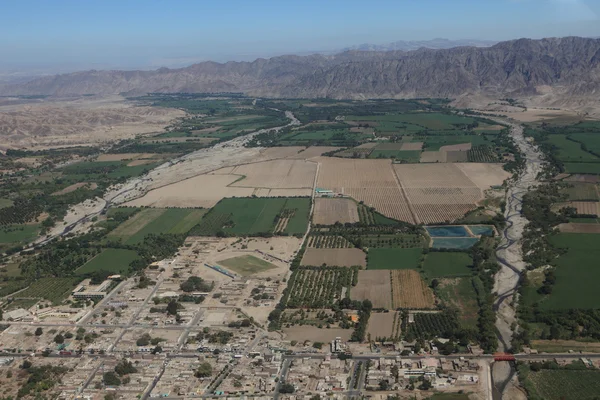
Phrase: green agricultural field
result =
(566, 384)
(394, 258)
(459, 293)
(590, 141)
(569, 150)
(583, 168)
(5, 203)
(53, 289)
(157, 220)
(397, 240)
(577, 272)
(254, 216)
(447, 264)
(409, 156)
(433, 143)
(246, 265)
(22, 233)
(113, 260)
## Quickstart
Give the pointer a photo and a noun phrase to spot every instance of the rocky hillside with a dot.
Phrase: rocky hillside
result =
(566, 66)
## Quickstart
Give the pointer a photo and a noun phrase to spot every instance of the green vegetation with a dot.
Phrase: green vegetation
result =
(447, 264)
(246, 265)
(394, 258)
(113, 260)
(53, 289)
(173, 220)
(318, 287)
(548, 380)
(459, 294)
(255, 217)
(407, 156)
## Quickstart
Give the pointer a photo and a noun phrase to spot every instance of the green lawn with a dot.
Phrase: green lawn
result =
(447, 264)
(577, 272)
(246, 265)
(394, 258)
(113, 260)
(5, 203)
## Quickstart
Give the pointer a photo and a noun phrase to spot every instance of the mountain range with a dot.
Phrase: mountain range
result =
(555, 69)
(407, 45)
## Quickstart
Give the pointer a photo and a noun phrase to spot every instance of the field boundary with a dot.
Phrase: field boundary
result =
(416, 220)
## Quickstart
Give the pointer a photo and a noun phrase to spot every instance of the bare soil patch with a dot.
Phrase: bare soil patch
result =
(199, 191)
(433, 157)
(409, 290)
(579, 228)
(74, 187)
(277, 174)
(369, 145)
(119, 157)
(311, 152)
(585, 207)
(373, 285)
(334, 257)
(484, 175)
(383, 325)
(457, 147)
(457, 156)
(412, 146)
(314, 334)
(330, 211)
(583, 178)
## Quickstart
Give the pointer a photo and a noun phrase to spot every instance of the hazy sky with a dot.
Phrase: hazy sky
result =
(127, 33)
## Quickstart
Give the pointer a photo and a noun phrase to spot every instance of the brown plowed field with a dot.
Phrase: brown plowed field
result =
(409, 290)
(381, 325)
(334, 257)
(583, 178)
(412, 146)
(457, 147)
(277, 174)
(433, 157)
(457, 156)
(330, 211)
(585, 207)
(312, 152)
(370, 181)
(484, 175)
(579, 228)
(373, 285)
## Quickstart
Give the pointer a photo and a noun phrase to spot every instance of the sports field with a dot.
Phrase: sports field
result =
(246, 265)
(394, 258)
(113, 260)
(447, 264)
(157, 220)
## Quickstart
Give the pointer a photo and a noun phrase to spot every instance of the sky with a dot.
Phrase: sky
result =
(127, 34)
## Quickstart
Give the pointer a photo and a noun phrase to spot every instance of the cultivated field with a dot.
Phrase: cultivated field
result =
(573, 227)
(277, 174)
(375, 286)
(330, 211)
(314, 334)
(53, 289)
(371, 181)
(318, 287)
(394, 258)
(586, 207)
(565, 384)
(114, 260)
(334, 257)
(409, 290)
(441, 265)
(328, 242)
(384, 325)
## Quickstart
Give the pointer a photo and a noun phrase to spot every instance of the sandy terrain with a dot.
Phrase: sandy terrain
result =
(81, 121)
(334, 257)
(375, 286)
(330, 211)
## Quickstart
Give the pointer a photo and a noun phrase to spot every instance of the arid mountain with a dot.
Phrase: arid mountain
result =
(557, 68)
(408, 45)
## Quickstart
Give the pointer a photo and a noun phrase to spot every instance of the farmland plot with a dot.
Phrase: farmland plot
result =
(370, 181)
(373, 285)
(329, 242)
(334, 257)
(565, 384)
(330, 211)
(585, 207)
(318, 287)
(277, 174)
(409, 290)
(383, 325)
